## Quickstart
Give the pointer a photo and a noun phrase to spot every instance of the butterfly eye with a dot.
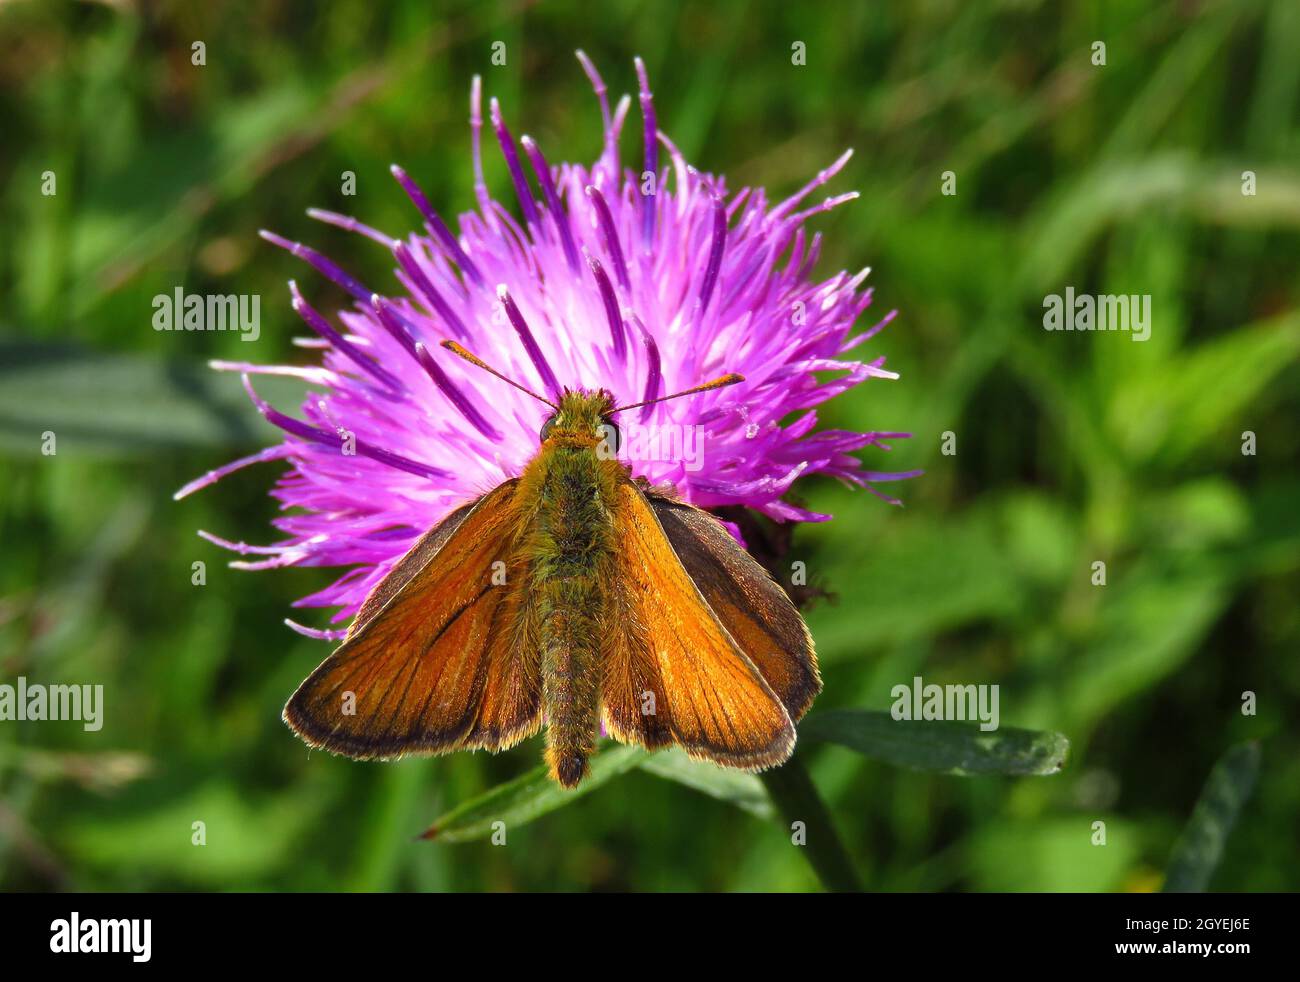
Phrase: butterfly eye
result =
(546, 428)
(610, 439)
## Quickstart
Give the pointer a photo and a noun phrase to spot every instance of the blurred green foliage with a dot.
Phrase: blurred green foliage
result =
(1071, 449)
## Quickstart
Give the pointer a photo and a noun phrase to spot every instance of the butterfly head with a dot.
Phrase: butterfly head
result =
(582, 419)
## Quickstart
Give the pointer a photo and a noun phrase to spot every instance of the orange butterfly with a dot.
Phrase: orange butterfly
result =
(576, 596)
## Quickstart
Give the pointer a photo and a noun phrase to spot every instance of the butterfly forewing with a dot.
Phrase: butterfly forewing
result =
(414, 675)
(411, 562)
(671, 671)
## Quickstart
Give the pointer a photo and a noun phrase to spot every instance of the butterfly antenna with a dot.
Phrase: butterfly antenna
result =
(717, 383)
(474, 359)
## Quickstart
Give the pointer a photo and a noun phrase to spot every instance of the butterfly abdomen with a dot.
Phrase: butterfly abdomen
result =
(572, 550)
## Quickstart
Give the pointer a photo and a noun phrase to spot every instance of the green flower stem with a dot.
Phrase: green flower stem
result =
(797, 800)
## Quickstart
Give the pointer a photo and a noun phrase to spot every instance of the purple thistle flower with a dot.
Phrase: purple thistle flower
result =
(598, 285)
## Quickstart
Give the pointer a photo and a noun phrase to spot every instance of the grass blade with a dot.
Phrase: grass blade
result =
(1201, 846)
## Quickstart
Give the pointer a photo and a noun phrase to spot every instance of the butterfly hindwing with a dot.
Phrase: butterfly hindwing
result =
(671, 671)
(755, 610)
(434, 652)
(510, 707)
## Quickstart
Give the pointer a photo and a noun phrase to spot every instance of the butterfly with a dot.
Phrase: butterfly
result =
(577, 597)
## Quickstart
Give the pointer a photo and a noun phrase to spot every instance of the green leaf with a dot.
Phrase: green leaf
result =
(137, 209)
(1151, 623)
(527, 797)
(938, 745)
(919, 578)
(1052, 855)
(126, 404)
(1200, 397)
(745, 791)
(1200, 848)
(247, 837)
